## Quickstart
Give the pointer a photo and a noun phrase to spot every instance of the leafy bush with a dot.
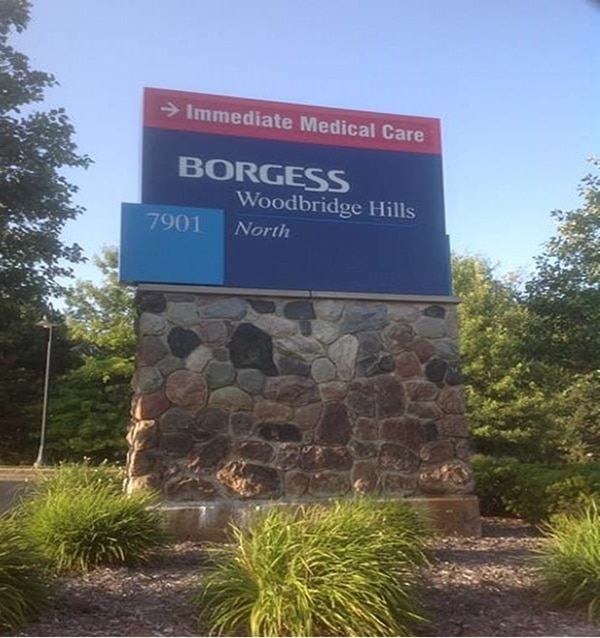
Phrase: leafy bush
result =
(569, 560)
(532, 491)
(23, 583)
(572, 492)
(529, 497)
(345, 570)
(78, 518)
(494, 480)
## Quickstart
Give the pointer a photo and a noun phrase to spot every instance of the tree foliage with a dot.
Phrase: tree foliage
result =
(91, 404)
(532, 358)
(36, 201)
(511, 410)
(101, 315)
(581, 416)
(22, 369)
(564, 294)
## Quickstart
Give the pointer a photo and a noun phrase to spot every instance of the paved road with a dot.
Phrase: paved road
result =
(13, 483)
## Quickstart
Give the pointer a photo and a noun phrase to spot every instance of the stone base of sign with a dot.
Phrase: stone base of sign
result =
(449, 515)
(250, 399)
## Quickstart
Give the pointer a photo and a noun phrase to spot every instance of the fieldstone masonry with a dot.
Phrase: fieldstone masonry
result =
(283, 399)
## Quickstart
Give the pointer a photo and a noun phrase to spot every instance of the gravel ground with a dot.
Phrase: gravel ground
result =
(475, 587)
(486, 587)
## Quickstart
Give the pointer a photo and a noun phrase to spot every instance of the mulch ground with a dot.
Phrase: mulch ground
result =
(475, 587)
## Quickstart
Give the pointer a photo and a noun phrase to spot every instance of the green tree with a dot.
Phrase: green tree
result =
(91, 406)
(22, 369)
(564, 294)
(36, 201)
(580, 416)
(510, 405)
(101, 316)
(563, 299)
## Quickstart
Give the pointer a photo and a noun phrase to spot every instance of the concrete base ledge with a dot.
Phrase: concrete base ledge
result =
(311, 294)
(201, 521)
(450, 515)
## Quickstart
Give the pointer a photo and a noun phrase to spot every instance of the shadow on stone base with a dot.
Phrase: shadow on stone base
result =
(450, 515)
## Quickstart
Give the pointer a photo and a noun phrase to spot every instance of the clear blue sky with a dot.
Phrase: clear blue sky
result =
(515, 84)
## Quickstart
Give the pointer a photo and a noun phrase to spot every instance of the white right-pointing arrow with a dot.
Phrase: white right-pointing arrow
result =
(170, 109)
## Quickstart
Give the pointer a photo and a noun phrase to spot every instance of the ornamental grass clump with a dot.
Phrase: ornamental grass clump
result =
(349, 569)
(23, 581)
(74, 476)
(79, 520)
(569, 560)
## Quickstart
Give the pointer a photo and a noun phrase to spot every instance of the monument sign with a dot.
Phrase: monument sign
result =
(254, 194)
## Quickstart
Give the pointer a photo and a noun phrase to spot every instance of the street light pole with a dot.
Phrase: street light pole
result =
(39, 462)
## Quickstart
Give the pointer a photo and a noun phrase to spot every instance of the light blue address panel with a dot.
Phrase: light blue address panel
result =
(166, 244)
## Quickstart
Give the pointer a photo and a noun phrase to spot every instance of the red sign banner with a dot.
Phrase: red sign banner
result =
(240, 117)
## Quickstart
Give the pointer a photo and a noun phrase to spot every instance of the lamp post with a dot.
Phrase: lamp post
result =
(40, 457)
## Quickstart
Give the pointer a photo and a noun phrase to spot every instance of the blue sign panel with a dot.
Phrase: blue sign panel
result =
(264, 195)
(166, 244)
